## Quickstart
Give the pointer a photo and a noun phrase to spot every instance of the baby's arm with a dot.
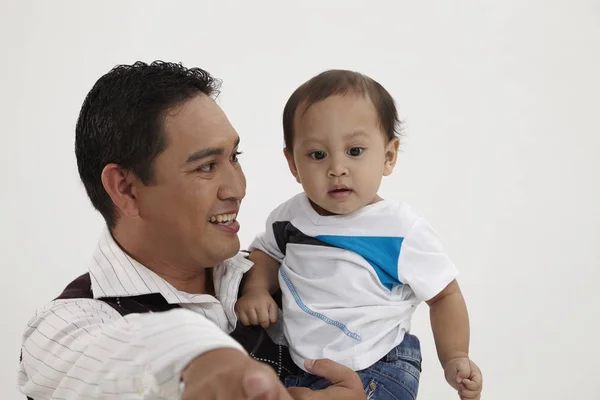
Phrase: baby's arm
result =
(263, 276)
(450, 326)
(450, 323)
(256, 306)
(430, 273)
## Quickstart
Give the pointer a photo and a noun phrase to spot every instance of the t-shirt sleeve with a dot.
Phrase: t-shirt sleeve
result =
(423, 265)
(271, 241)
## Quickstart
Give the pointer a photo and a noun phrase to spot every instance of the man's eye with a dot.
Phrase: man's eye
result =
(207, 167)
(235, 155)
(355, 151)
(318, 155)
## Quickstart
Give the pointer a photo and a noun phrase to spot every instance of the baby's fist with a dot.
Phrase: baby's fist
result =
(464, 376)
(257, 308)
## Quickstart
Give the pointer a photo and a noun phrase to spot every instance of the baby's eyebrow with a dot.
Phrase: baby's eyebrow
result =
(310, 140)
(355, 134)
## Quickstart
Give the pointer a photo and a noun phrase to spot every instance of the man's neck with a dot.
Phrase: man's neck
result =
(189, 280)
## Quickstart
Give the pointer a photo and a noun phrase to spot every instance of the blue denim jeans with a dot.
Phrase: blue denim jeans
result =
(394, 377)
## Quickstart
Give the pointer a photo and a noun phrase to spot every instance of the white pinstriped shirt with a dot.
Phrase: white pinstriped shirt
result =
(84, 349)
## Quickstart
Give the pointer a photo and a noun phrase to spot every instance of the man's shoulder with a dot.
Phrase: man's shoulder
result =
(70, 311)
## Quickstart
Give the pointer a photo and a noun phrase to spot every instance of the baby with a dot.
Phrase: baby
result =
(352, 267)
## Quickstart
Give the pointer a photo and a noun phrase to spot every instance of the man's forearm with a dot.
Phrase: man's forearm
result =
(450, 323)
(212, 363)
(87, 347)
(263, 274)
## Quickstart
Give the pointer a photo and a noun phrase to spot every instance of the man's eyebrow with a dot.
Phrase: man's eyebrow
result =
(208, 152)
(200, 154)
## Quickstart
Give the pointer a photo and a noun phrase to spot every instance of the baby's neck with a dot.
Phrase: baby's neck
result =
(325, 213)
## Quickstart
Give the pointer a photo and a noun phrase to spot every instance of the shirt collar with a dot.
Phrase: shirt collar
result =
(115, 274)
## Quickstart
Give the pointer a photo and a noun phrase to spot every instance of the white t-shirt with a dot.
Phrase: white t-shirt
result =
(351, 283)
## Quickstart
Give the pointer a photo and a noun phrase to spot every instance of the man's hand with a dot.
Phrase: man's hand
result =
(226, 374)
(464, 376)
(346, 384)
(256, 307)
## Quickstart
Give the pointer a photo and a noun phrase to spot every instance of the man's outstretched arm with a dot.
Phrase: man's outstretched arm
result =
(84, 349)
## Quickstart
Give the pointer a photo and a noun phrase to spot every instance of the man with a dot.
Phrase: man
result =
(159, 161)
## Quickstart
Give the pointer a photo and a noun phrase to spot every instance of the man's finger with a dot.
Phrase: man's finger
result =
(255, 385)
(336, 373)
(260, 385)
(300, 393)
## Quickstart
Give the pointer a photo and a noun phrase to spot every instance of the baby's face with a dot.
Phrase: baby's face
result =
(340, 153)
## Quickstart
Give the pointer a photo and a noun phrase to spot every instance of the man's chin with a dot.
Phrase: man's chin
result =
(229, 250)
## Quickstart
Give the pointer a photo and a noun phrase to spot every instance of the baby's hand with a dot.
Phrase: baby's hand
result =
(257, 308)
(464, 376)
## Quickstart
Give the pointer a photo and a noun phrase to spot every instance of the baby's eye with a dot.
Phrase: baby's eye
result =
(355, 151)
(318, 155)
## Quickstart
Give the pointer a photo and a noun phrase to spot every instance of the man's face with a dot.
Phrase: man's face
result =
(190, 210)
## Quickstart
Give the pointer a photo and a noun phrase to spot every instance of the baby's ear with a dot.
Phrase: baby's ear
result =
(391, 156)
(289, 156)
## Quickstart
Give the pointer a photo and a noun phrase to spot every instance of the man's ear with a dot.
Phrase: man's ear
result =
(120, 186)
(291, 164)
(391, 156)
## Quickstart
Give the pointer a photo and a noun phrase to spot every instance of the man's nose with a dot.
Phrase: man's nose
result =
(233, 186)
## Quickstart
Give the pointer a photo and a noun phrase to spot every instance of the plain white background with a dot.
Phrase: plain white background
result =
(501, 154)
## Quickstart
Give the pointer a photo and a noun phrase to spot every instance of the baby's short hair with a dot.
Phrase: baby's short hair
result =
(340, 82)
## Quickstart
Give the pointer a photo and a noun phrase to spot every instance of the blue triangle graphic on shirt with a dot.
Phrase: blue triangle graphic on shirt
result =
(382, 252)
